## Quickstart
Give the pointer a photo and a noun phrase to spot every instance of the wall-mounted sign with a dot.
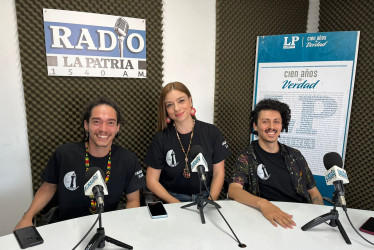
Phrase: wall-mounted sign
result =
(94, 45)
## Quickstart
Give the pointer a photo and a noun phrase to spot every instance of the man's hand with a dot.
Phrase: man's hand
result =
(275, 215)
(268, 210)
(24, 222)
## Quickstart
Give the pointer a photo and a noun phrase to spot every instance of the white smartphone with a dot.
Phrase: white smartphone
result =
(156, 210)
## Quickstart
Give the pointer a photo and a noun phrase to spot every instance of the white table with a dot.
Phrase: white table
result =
(183, 229)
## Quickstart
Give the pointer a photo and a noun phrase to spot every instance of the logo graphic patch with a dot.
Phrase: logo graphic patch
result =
(139, 174)
(70, 181)
(262, 172)
(290, 44)
(170, 158)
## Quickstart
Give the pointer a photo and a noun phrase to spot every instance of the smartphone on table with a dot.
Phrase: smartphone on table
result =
(28, 237)
(368, 226)
(156, 210)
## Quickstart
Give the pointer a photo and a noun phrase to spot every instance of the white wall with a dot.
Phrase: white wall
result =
(189, 50)
(189, 57)
(313, 17)
(15, 185)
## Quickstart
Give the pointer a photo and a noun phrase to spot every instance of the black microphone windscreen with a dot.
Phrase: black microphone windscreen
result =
(332, 159)
(195, 150)
(91, 172)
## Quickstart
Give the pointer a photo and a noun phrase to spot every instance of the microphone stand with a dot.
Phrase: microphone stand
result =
(98, 240)
(200, 203)
(120, 44)
(333, 216)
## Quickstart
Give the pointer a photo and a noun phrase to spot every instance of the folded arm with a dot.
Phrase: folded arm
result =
(133, 199)
(154, 185)
(218, 179)
(315, 196)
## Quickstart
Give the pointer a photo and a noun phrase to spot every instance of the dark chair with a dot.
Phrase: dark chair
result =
(49, 214)
(226, 184)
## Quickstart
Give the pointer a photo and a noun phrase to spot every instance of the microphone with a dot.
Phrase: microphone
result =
(199, 164)
(95, 185)
(121, 28)
(336, 175)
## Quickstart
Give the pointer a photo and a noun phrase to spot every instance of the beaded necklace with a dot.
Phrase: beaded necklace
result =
(186, 170)
(108, 168)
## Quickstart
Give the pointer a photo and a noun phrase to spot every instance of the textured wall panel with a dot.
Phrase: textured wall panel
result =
(54, 104)
(238, 25)
(342, 15)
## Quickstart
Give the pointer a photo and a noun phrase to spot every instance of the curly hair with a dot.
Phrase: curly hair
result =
(271, 104)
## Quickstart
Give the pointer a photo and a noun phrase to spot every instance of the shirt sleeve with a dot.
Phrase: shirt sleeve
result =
(240, 171)
(51, 172)
(221, 149)
(310, 182)
(137, 180)
(155, 157)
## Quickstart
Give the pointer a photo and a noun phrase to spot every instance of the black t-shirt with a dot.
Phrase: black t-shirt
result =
(274, 180)
(67, 169)
(165, 153)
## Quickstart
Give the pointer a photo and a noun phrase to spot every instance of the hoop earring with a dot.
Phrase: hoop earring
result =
(193, 111)
(86, 135)
(168, 120)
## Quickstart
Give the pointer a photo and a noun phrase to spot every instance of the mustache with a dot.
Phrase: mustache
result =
(269, 129)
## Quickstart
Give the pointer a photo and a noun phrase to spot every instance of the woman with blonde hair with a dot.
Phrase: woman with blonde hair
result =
(169, 173)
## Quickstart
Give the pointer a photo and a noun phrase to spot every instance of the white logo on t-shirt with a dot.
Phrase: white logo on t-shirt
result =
(262, 172)
(170, 158)
(70, 181)
(139, 174)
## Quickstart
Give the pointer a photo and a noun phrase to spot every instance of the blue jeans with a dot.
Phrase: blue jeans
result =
(189, 197)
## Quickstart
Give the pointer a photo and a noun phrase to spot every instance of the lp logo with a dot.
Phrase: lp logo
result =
(290, 45)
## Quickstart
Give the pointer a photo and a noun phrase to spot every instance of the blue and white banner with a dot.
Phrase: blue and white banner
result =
(314, 74)
(94, 45)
